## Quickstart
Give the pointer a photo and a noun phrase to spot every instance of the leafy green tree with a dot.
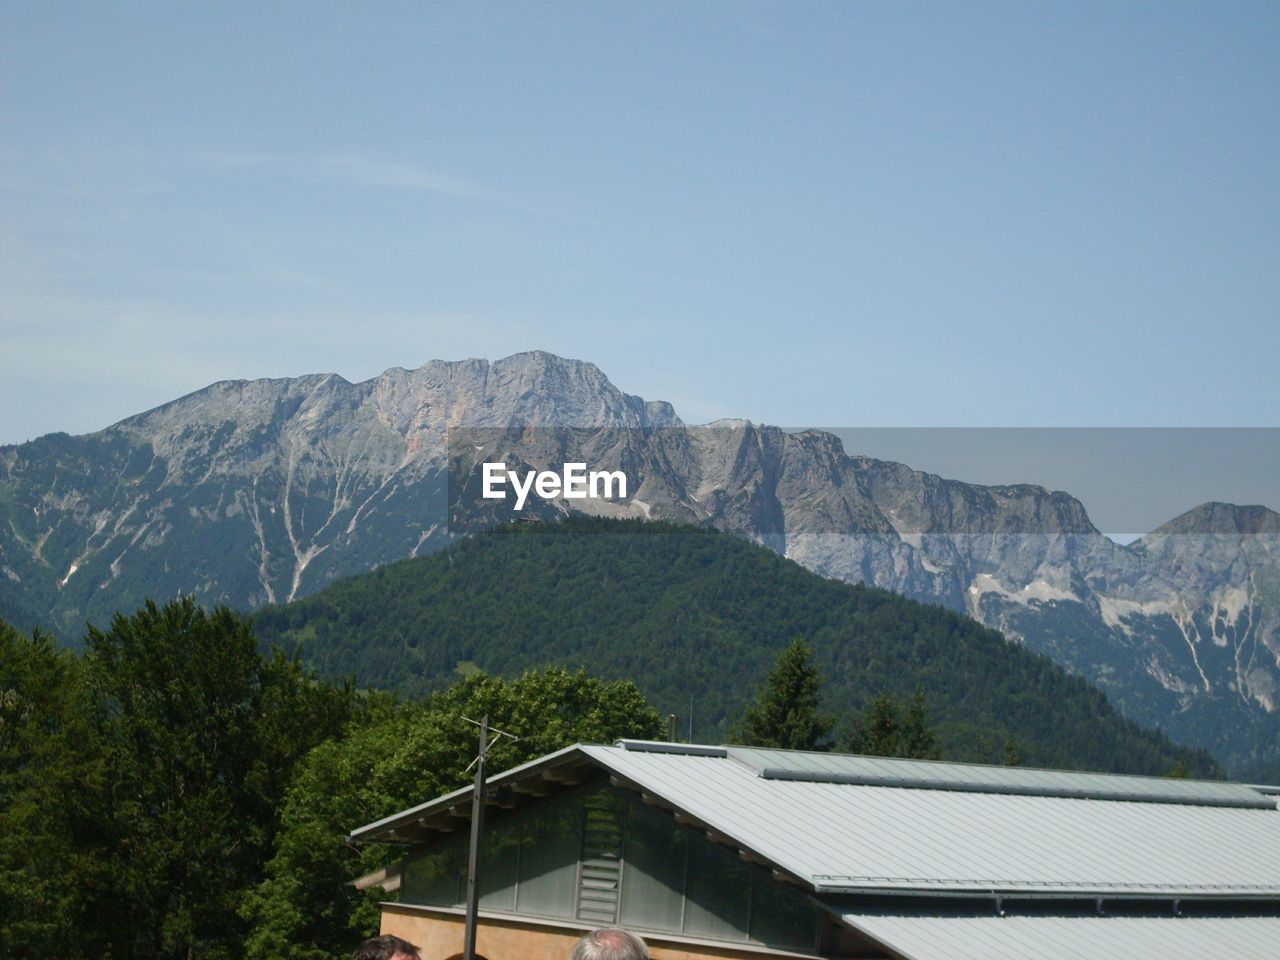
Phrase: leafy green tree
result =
(200, 732)
(53, 863)
(306, 903)
(885, 729)
(398, 756)
(785, 713)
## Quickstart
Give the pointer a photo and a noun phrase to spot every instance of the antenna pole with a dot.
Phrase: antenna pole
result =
(473, 860)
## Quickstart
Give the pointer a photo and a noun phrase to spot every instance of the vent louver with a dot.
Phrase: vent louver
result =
(601, 873)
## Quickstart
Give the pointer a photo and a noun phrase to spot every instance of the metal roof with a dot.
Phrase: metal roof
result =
(844, 824)
(847, 837)
(918, 937)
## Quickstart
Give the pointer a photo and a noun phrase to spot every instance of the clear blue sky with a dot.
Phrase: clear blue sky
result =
(805, 213)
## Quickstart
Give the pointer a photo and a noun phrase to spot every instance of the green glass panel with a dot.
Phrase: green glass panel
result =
(780, 916)
(549, 857)
(718, 892)
(499, 864)
(653, 878)
(432, 876)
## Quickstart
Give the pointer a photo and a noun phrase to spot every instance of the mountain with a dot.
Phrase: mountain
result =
(250, 493)
(696, 618)
(247, 493)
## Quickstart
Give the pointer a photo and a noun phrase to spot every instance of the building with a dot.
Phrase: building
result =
(731, 852)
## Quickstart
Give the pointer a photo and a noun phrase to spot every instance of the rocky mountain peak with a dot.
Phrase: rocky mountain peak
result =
(1222, 518)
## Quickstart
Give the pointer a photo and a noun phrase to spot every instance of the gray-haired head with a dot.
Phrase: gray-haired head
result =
(610, 943)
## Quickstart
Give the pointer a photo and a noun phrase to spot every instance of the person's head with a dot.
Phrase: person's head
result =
(386, 947)
(610, 943)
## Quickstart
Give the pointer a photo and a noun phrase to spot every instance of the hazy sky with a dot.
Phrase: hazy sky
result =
(866, 214)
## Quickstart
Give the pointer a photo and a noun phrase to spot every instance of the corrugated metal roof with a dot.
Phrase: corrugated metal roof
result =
(840, 837)
(1071, 938)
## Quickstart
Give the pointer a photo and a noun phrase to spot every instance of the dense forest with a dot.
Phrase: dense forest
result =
(696, 618)
(174, 793)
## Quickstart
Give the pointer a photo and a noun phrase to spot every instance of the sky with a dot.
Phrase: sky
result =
(861, 214)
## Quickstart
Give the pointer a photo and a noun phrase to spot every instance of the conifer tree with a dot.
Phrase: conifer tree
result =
(877, 731)
(887, 730)
(785, 712)
(917, 740)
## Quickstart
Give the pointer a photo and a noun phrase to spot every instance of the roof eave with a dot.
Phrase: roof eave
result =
(1049, 891)
(381, 830)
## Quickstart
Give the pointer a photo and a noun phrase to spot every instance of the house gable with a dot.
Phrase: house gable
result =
(598, 855)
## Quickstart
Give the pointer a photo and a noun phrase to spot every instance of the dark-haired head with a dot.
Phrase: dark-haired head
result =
(386, 947)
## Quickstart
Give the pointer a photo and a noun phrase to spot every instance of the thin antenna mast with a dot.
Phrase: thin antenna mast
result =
(477, 827)
(473, 859)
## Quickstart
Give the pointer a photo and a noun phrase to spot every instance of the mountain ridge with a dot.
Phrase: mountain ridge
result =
(1216, 517)
(254, 492)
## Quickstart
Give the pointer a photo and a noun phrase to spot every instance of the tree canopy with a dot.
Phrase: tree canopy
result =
(53, 825)
(175, 792)
(142, 783)
(396, 757)
(886, 728)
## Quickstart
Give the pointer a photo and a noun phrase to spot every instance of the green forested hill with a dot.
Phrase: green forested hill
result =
(696, 619)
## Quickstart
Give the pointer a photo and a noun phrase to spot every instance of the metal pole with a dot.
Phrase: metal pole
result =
(473, 861)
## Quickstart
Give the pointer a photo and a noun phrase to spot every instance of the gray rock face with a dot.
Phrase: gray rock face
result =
(256, 492)
(247, 493)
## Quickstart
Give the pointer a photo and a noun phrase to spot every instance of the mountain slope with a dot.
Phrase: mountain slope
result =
(248, 493)
(254, 492)
(696, 616)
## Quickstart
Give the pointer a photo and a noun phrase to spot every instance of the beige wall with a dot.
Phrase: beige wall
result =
(440, 937)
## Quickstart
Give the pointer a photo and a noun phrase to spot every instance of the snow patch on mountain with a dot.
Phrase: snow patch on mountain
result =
(1037, 591)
